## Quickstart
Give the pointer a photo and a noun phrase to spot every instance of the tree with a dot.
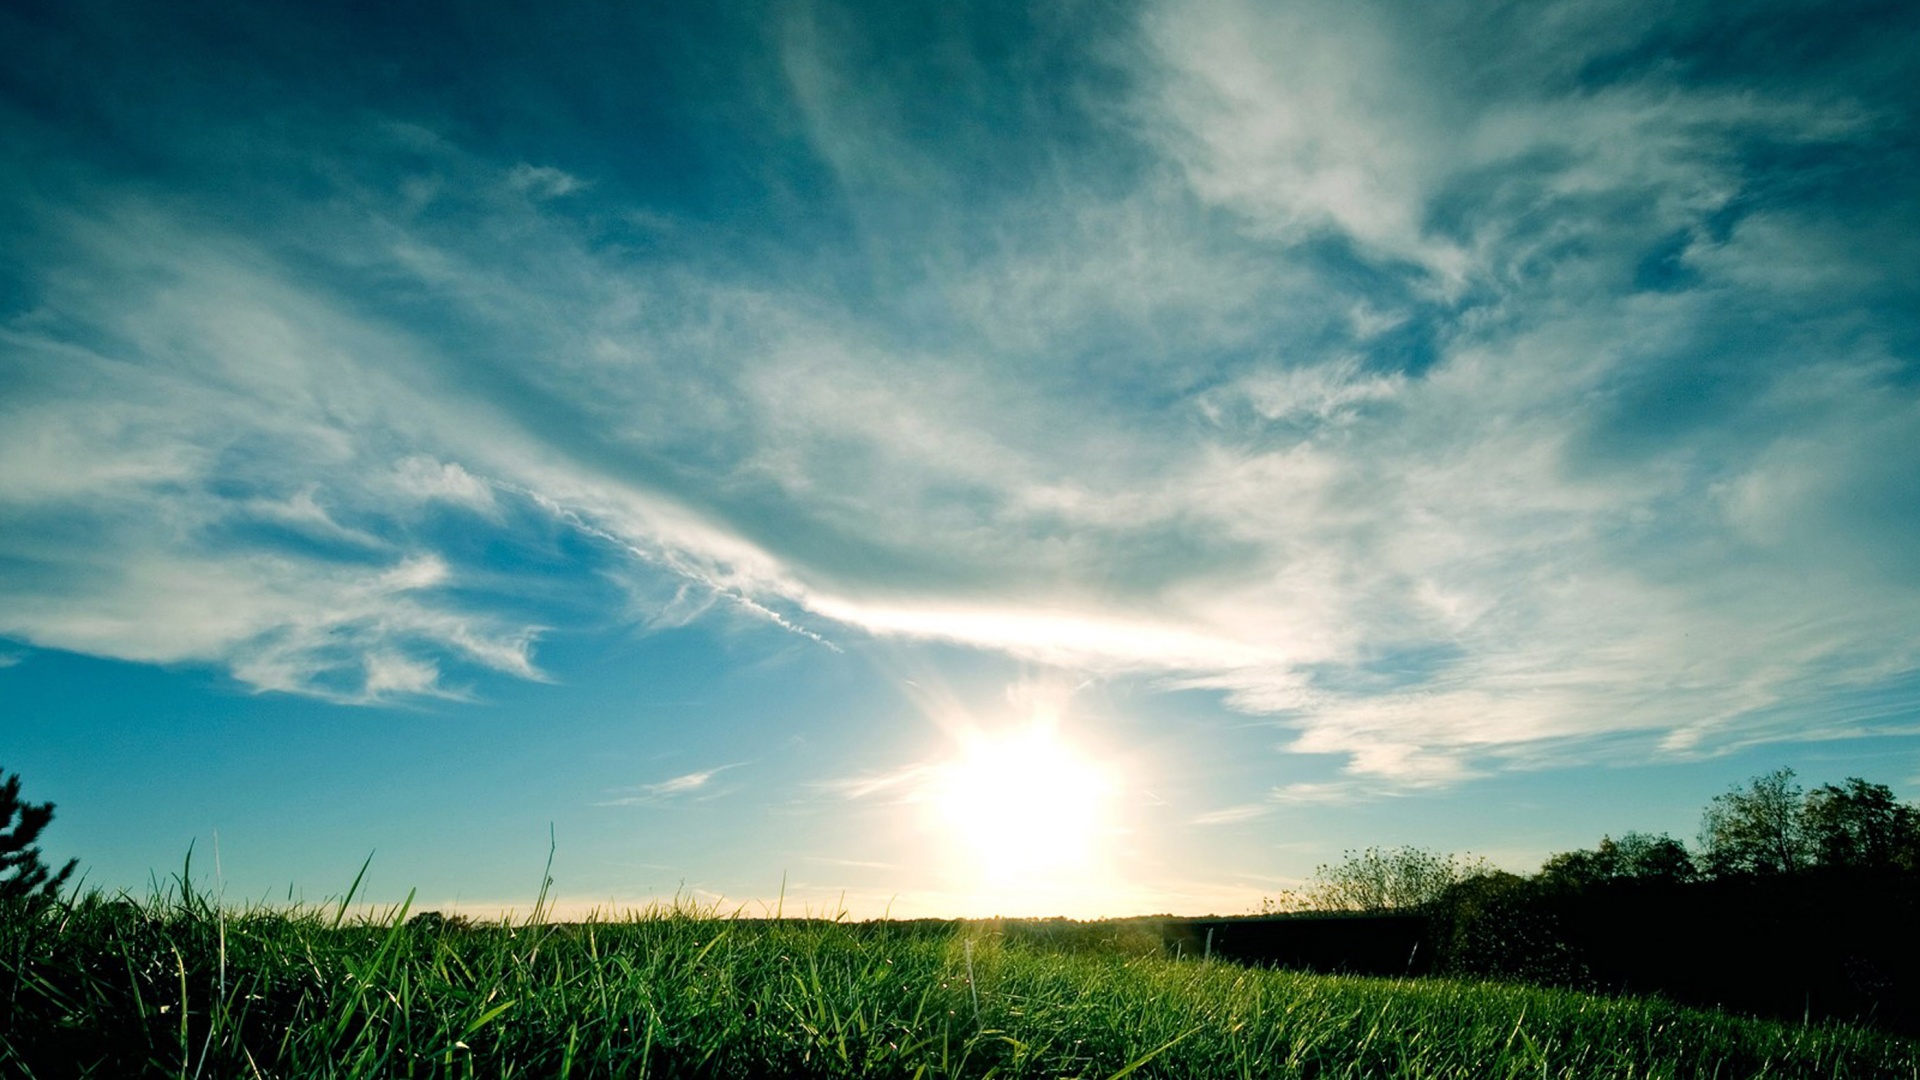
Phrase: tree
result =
(1636, 856)
(1860, 826)
(1653, 857)
(1757, 830)
(23, 877)
(1379, 879)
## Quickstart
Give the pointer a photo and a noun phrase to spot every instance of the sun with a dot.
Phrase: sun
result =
(1025, 810)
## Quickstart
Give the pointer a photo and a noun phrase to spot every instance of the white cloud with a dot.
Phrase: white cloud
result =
(1328, 793)
(903, 784)
(1353, 119)
(1321, 392)
(1080, 640)
(1231, 815)
(278, 624)
(389, 673)
(249, 406)
(1125, 437)
(425, 478)
(676, 787)
(1293, 114)
(543, 181)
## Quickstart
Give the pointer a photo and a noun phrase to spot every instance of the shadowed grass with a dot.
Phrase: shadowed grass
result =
(114, 988)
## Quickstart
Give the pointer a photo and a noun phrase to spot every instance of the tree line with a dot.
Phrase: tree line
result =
(1791, 902)
(1769, 828)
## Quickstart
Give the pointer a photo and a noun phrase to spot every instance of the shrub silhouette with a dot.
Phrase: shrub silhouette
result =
(24, 878)
(1498, 925)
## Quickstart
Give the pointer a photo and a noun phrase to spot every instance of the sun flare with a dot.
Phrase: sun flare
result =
(1025, 809)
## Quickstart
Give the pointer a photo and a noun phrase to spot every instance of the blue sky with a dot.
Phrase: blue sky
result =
(724, 435)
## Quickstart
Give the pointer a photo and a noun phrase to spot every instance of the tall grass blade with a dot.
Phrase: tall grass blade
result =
(340, 913)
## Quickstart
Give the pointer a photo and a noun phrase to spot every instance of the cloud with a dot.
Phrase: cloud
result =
(904, 784)
(1327, 793)
(1296, 118)
(1454, 392)
(1316, 394)
(1231, 815)
(221, 486)
(542, 181)
(855, 864)
(673, 788)
(424, 478)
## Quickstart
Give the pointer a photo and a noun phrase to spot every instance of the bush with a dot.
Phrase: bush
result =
(1380, 880)
(1501, 925)
(24, 878)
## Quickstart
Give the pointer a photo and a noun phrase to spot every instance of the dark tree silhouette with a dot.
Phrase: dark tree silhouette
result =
(1653, 857)
(24, 878)
(1861, 826)
(1758, 830)
(1636, 856)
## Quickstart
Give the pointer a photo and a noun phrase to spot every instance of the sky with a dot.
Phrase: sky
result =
(1066, 458)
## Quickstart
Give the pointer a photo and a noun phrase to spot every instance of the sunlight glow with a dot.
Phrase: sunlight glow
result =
(1028, 813)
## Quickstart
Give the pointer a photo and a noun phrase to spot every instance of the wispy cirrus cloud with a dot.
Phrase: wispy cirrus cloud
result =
(1445, 405)
(903, 784)
(1231, 815)
(687, 785)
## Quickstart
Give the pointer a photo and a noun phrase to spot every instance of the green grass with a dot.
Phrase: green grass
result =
(174, 987)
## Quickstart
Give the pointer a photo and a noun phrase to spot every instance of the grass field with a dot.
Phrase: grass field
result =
(175, 987)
